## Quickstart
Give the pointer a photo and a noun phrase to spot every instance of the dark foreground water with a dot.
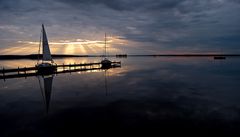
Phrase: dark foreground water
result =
(169, 94)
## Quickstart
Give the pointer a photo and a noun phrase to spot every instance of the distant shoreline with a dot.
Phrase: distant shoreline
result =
(36, 56)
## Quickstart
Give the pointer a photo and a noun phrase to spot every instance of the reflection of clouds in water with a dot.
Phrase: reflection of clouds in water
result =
(17, 63)
(145, 91)
(78, 60)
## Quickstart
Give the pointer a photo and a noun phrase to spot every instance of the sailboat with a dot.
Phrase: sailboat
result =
(47, 64)
(105, 62)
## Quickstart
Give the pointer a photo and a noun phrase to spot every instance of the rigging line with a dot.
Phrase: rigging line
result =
(39, 48)
(43, 39)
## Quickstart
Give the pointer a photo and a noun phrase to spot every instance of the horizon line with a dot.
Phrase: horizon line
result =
(36, 56)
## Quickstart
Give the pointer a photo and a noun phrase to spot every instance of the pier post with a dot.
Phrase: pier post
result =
(69, 68)
(3, 71)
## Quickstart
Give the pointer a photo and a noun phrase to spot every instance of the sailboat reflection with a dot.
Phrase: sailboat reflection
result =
(45, 83)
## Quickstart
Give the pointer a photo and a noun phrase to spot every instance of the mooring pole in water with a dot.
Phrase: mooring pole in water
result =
(25, 69)
(18, 70)
(69, 67)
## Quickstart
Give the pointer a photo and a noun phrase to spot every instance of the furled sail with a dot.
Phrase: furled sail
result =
(46, 51)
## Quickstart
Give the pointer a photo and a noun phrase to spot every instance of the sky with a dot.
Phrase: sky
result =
(132, 26)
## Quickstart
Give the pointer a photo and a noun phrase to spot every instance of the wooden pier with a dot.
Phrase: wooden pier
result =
(61, 68)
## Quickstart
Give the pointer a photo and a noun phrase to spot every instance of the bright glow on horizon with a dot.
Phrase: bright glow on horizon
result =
(78, 46)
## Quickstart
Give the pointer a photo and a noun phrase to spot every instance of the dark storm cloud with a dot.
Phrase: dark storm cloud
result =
(121, 5)
(165, 24)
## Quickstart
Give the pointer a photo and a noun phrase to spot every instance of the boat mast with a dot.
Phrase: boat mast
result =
(105, 45)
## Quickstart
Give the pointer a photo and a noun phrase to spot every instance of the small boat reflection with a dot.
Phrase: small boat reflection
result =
(105, 81)
(45, 83)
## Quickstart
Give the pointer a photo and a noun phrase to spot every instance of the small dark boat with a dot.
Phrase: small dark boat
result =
(106, 63)
(219, 57)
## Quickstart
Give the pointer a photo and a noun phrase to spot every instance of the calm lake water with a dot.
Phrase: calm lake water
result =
(169, 93)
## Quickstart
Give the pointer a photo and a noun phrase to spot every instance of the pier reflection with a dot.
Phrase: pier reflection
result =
(46, 80)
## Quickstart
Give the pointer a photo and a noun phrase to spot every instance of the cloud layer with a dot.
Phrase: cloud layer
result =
(141, 26)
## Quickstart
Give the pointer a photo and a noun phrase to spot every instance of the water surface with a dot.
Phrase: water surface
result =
(171, 93)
